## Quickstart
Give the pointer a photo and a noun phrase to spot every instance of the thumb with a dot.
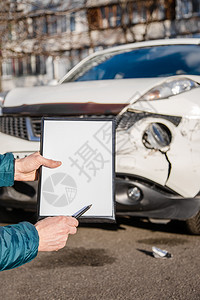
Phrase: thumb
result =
(49, 163)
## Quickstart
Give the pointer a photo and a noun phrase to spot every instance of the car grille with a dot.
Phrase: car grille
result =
(36, 126)
(14, 126)
(22, 127)
(129, 118)
(28, 128)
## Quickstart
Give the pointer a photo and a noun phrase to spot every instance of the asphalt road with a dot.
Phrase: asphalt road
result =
(111, 262)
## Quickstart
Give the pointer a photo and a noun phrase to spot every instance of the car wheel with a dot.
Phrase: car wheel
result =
(193, 224)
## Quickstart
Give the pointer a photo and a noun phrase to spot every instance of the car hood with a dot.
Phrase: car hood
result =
(91, 96)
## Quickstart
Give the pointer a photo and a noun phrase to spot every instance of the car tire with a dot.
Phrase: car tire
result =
(193, 224)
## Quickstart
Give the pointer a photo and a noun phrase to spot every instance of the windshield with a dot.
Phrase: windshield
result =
(157, 61)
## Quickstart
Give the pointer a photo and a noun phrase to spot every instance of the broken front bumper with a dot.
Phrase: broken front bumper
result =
(134, 197)
(144, 198)
(160, 148)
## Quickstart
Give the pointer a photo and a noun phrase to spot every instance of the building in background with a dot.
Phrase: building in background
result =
(47, 38)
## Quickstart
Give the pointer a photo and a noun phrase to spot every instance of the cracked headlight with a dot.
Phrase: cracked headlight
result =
(169, 88)
(156, 136)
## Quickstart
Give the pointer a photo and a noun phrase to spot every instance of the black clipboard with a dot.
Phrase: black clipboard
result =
(86, 147)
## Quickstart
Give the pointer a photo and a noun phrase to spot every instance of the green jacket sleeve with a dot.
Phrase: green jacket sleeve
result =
(18, 245)
(6, 169)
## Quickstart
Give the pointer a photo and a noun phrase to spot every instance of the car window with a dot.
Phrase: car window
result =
(159, 61)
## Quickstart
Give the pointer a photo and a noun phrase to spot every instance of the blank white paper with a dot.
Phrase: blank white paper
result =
(85, 177)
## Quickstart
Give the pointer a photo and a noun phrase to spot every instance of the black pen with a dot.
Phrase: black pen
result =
(81, 211)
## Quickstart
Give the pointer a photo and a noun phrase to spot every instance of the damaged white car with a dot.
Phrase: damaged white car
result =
(153, 90)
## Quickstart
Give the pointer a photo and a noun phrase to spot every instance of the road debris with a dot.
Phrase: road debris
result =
(159, 253)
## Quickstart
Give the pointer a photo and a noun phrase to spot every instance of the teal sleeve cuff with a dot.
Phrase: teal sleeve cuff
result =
(18, 245)
(7, 169)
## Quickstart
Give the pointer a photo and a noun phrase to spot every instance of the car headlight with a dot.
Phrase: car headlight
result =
(169, 88)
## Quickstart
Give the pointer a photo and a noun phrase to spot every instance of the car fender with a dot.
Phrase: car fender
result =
(184, 157)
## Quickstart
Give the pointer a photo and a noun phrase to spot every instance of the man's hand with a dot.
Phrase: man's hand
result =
(53, 232)
(26, 168)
